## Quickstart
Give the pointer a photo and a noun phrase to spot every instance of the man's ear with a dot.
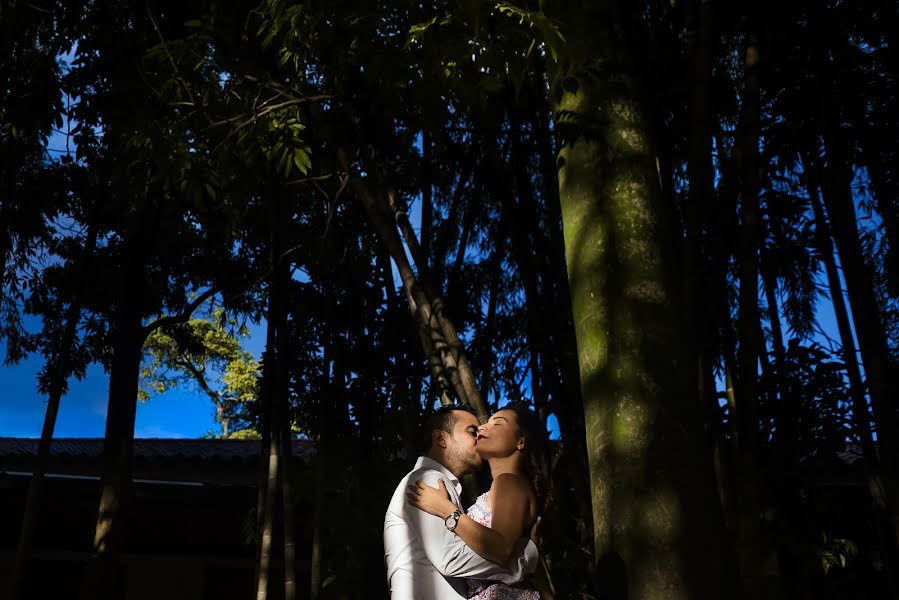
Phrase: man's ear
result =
(438, 437)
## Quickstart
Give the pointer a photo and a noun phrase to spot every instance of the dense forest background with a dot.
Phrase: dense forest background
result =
(629, 213)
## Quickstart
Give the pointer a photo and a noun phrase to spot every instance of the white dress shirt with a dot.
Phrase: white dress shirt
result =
(426, 561)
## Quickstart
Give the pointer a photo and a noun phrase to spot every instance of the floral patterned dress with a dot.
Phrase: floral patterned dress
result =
(483, 589)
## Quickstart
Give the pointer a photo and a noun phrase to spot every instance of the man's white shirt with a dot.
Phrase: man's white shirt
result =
(426, 561)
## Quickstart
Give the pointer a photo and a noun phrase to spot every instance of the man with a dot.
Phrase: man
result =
(425, 559)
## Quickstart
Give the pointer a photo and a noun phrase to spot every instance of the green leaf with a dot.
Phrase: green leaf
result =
(417, 31)
(302, 160)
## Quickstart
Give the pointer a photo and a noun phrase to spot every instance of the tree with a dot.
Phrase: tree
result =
(618, 244)
(200, 352)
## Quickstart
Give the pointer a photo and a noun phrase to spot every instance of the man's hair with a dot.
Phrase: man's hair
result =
(443, 418)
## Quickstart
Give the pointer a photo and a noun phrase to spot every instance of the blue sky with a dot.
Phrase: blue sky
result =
(178, 413)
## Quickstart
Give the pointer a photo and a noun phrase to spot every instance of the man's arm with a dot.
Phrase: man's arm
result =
(452, 558)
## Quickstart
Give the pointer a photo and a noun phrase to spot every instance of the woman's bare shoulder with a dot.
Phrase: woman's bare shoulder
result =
(508, 489)
(511, 485)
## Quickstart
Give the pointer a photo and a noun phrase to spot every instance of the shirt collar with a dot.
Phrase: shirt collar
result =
(430, 463)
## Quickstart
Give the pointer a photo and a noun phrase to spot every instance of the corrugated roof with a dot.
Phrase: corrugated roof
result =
(152, 449)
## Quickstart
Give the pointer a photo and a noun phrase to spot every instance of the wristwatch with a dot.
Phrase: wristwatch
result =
(453, 520)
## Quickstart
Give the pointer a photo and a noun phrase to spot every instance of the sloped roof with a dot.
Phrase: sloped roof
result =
(153, 449)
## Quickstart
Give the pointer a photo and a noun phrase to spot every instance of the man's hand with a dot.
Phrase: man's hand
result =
(435, 501)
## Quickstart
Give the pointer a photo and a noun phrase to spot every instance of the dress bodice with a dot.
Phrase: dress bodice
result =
(480, 511)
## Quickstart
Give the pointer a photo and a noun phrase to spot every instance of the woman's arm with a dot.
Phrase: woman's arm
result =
(510, 496)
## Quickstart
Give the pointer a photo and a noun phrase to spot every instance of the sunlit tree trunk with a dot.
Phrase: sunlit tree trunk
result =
(657, 522)
(568, 404)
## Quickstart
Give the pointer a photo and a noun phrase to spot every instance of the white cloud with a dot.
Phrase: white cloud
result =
(154, 431)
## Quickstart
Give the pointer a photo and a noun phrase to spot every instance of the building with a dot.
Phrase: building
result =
(189, 530)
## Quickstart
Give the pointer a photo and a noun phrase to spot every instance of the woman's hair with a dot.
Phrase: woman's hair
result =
(537, 452)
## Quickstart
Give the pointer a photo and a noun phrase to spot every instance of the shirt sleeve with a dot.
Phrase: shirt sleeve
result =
(452, 558)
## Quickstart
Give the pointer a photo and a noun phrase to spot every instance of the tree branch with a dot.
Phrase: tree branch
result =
(183, 316)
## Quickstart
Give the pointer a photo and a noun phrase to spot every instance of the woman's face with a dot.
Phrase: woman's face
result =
(500, 435)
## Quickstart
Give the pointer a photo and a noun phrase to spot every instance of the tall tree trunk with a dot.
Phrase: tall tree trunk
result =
(861, 415)
(287, 493)
(315, 558)
(4, 251)
(757, 577)
(261, 482)
(456, 350)
(282, 406)
(101, 576)
(60, 356)
(878, 132)
(568, 404)
(495, 263)
(722, 216)
(879, 369)
(528, 246)
(657, 523)
(427, 195)
(35, 486)
(320, 472)
(427, 306)
(785, 409)
(272, 406)
(408, 400)
(699, 30)
(268, 524)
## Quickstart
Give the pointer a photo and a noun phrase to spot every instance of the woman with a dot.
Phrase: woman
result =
(515, 445)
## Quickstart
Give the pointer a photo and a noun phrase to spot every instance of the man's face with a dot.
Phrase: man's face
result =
(461, 446)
